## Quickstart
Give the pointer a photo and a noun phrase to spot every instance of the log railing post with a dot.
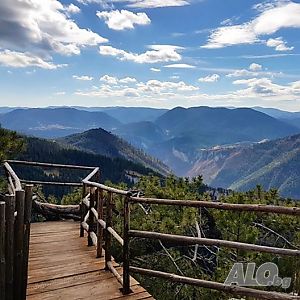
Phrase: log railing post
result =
(9, 245)
(91, 216)
(82, 210)
(2, 250)
(99, 196)
(107, 233)
(19, 239)
(27, 221)
(126, 227)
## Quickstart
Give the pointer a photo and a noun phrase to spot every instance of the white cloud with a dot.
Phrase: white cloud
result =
(156, 3)
(272, 18)
(296, 85)
(231, 35)
(210, 78)
(255, 67)
(109, 79)
(72, 9)
(138, 3)
(22, 60)
(180, 66)
(83, 77)
(157, 86)
(154, 69)
(127, 80)
(124, 19)
(255, 70)
(42, 27)
(264, 87)
(158, 53)
(242, 73)
(151, 89)
(279, 44)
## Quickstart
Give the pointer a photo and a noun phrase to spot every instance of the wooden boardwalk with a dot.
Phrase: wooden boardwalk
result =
(61, 266)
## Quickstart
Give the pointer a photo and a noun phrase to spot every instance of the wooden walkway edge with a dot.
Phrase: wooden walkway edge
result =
(61, 266)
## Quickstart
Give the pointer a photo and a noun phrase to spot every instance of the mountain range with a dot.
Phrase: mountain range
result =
(189, 141)
(55, 122)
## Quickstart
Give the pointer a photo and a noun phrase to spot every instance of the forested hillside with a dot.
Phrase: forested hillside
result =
(272, 164)
(99, 141)
(50, 151)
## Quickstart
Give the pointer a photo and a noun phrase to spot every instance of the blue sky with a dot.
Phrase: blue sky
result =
(150, 53)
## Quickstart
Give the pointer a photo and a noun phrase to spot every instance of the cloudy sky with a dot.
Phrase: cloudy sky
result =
(159, 53)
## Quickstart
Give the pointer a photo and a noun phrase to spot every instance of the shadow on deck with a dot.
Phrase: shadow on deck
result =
(61, 266)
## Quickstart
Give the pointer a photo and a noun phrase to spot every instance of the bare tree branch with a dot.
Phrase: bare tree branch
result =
(279, 236)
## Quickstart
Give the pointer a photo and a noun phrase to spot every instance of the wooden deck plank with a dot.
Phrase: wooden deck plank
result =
(61, 266)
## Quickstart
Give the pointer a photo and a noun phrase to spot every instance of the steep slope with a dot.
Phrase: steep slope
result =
(50, 151)
(55, 122)
(99, 141)
(273, 164)
(113, 169)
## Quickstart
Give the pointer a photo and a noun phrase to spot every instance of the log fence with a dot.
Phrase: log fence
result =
(96, 207)
(15, 216)
(96, 219)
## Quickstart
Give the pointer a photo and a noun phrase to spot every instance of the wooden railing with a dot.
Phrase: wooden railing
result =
(99, 229)
(15, 216)
(96, 215)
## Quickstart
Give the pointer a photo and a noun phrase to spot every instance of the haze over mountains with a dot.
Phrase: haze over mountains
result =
(184, 139)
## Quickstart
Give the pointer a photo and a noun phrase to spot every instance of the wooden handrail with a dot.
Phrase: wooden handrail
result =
(106, 188)
(17, 183)
(295, 211)
(91, 175)
(37, 182)
(49, 165)
(187, 240)
(232, 289)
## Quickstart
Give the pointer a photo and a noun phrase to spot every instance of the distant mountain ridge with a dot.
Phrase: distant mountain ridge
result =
(55, 122)
(272, 164)
(292, 118)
